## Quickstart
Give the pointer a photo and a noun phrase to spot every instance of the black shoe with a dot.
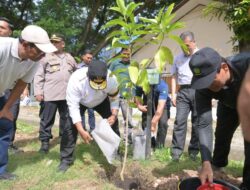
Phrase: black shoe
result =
(193, 157)
(14, 149)
(44, 147)
(7, 176)
(63, 167)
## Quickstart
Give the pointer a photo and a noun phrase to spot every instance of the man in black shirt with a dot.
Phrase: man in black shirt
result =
(218, 78)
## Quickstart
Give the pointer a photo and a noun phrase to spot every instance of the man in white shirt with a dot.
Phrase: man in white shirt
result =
(88, 87)
(18, 65)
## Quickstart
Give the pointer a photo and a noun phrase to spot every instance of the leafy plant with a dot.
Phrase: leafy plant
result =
(131, 37)
(237, 15)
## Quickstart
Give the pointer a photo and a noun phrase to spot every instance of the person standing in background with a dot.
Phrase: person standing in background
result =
(87, 57)
(50, 84)
(120, 69)
(184, 101)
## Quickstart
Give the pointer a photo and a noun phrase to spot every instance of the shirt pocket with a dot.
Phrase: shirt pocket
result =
(53, 67)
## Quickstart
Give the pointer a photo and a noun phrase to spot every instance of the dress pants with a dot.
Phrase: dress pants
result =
(47, 115)
(162, 129)
(91, 115)
(185, 103)
(6, 129)
(70, 132)
(227, 123)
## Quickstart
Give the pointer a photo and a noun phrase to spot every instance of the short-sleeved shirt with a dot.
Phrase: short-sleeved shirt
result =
(12, 68)
(181, 69)
(160, 92)
(80, 92)
(122, 75)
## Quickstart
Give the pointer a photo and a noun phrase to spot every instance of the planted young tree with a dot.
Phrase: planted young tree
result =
(131, 36)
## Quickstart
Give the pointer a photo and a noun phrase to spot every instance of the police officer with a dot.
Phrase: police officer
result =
(219, 78)
(50, 85)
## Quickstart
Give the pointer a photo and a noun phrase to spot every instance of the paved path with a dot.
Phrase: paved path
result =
(30, 114)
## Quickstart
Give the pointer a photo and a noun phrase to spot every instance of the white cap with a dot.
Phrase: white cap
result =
(38, 36)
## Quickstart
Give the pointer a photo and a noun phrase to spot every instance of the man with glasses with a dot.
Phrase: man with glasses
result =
(18, 65)
(50, 85)
(88, 87)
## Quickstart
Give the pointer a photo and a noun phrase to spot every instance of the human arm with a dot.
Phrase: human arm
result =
(114, 99)
(138, 100)
(15, 94)
(173, 90)
(158, 114)
(205, 133)
(39, 81)
(243, 106)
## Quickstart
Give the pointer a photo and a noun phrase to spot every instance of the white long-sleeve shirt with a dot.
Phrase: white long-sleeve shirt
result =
(79, 92)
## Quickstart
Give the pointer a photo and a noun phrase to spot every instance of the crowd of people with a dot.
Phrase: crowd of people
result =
(60, 83)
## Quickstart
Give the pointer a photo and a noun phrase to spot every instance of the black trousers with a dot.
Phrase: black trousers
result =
(227, 123)
(15, 111)
(162, 128)
(70, 132)
(47, 115)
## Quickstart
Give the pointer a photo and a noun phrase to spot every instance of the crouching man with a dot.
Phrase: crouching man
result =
(89, 87)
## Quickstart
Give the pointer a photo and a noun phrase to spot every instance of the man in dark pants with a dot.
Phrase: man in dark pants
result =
(160, 112)
(184, 101)
(50, 85)
(219, 78)
(88, 87)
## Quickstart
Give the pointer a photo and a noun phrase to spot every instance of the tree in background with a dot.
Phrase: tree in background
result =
(236, 13)
(79, 20)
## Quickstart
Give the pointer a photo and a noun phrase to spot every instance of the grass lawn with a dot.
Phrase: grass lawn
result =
(90, 170)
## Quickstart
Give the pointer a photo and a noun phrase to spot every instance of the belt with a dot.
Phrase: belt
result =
(185, 86)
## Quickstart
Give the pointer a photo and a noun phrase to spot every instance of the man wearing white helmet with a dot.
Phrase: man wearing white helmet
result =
(18, 59)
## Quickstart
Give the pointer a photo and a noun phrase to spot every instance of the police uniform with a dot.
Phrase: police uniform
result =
(51, 81)
(227, 116)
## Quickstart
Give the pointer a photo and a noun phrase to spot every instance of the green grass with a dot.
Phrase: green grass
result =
(39, 172)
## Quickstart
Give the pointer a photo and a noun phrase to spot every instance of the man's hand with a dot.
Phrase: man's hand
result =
(86, 136)
(153, 125)
(206, 173)
(173, 100)
(39, 98)
(112, 119)
(142, 108)
(6, 114)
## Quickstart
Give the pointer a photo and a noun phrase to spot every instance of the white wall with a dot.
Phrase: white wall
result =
(214, 33)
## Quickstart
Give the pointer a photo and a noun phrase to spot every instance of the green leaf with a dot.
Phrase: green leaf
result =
(143, 77)
(146, 87)
(115, 22)
(131, 8)
(163, 55)
(179, 41)
(133, 70)
(148, 20)
(115, 33)
(169, 10)
(116, 9)
(144, 63)
(121, 5)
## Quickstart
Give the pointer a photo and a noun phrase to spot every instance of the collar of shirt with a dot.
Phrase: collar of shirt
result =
(14, 49)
